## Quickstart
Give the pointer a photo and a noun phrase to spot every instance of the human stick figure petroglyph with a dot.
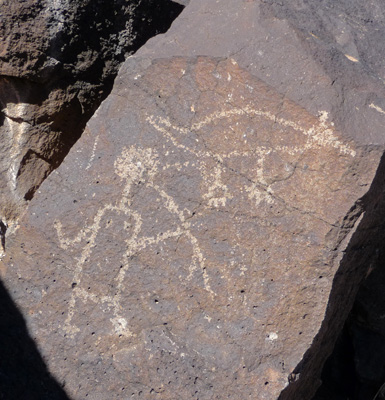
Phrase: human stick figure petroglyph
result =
(133, 165)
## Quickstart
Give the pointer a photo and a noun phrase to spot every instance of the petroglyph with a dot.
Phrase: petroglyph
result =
(377, 108)
(317, 136)
(351, 58)
(132, 166)
(217, 193)
(235, 152)
(93, 152)
(190, 231)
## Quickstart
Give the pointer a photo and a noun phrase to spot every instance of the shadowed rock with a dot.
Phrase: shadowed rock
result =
(23, 373)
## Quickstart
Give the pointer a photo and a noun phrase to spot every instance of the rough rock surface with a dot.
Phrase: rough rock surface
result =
(58, 61)
(206, 236)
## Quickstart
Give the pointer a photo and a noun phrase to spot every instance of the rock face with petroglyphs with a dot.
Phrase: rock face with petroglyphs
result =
(206, 236)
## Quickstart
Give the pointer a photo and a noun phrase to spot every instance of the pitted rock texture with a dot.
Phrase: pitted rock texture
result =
(58, 61)
(196, 251)
(207, 235)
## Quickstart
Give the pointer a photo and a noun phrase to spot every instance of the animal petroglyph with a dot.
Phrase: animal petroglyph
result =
(317, 136)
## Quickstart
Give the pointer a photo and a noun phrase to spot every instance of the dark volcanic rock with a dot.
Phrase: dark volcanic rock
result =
(356, 368)
(58, 61)
(206, 236)
(23, 374)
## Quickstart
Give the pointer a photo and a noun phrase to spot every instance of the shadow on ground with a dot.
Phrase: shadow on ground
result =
(23, 373)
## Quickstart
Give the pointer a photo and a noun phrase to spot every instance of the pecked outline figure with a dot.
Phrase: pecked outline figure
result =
(133, 165)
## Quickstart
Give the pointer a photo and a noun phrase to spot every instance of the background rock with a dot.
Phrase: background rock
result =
(58, 61)
(207, 235)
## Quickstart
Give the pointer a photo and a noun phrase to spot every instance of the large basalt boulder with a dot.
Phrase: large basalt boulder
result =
(206, 236)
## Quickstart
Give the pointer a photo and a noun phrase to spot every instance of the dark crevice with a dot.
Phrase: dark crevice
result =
(356, 368)
(3, 231)
(359, 259)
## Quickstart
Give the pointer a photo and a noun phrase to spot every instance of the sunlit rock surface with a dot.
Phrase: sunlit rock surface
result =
(206, 236)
